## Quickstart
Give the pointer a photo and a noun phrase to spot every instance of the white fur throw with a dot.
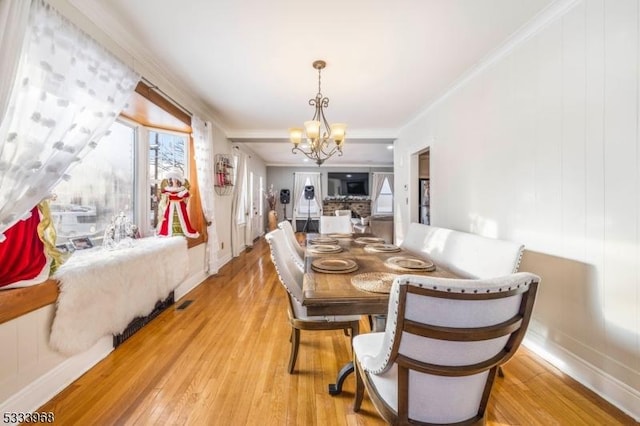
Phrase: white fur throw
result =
(101, 291)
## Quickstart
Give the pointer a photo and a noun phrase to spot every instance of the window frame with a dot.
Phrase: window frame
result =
(390, 193)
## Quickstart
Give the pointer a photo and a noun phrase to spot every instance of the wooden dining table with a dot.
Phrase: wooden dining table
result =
(334, 293)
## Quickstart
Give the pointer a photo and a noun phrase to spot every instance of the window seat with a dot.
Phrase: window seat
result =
(102, 291)
(16, 302)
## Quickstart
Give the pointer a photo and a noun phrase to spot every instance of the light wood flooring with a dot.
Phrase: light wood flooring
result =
(223, 361)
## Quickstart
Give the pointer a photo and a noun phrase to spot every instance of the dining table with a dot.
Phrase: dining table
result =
(352, 274)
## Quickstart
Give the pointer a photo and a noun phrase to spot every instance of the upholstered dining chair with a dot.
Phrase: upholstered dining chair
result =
(437, 359)
(335, 224)
(291, 279)
(292, 243)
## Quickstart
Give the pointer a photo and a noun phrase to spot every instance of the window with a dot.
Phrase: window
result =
(125, 171)
(105, 183)
(166, 151)
(385, 198)
(308, 207)
(101, 187)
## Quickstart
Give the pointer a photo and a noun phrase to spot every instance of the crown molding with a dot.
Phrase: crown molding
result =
(367, 135)
(552, 12)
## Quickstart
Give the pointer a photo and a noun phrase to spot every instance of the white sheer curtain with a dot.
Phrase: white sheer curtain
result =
(203, 143)
(376, 188)
(248, 205)
(238, 206)
(14, 16)
(299, 182)
(68, 92)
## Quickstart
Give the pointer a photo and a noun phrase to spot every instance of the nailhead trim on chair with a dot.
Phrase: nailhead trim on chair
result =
(393, 333)
(474, 290)
(280, 276)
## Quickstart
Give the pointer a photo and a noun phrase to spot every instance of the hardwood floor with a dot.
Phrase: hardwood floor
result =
(223, 361)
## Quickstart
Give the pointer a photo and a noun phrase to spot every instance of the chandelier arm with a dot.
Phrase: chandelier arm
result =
(329, 153)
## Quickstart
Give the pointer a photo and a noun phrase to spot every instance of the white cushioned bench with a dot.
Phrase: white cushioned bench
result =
(468, 255)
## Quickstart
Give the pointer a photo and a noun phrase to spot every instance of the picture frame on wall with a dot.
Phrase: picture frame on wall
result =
(63, 248)
(81, 243)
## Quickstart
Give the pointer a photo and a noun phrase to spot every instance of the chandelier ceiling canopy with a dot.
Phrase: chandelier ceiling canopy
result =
(322, 140)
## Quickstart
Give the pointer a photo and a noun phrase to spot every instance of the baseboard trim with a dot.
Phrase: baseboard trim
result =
(189, 284)
(609, 388)
(224, 260)
(45, 387)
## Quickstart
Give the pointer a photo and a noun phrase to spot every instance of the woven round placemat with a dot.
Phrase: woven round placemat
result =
(376, 282)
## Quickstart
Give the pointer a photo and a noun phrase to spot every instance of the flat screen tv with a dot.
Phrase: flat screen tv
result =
(348, 183)
(356, 188)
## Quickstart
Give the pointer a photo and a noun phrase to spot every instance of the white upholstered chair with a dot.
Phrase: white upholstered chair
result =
(343, 213)
(335, 224)
(467, 255)
(292, 243)
(436, 361)
(291, 279)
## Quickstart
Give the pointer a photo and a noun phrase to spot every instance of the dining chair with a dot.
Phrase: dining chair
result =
(291, 279)
(335, 224)
(292, 243)
(469, 255)
(437, 359)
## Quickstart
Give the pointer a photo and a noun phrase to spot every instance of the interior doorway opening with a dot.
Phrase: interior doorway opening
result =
(424, 199)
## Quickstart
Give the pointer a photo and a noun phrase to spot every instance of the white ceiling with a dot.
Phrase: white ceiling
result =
(250, 60)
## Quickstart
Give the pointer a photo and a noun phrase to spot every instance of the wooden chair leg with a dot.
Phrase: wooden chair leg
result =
(355, 330)
(295, 342)
(357, 400)
(500, 372)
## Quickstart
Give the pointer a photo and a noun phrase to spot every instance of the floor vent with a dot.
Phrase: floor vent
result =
(140, 322)
(184, 305)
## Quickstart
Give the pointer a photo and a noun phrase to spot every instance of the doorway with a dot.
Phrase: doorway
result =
(424, 204)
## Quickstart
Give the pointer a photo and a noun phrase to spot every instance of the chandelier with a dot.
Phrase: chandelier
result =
(322, 140)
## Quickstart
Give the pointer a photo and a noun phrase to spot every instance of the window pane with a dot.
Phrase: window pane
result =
(307, 207)
(385, 199)
(166, 151)
(100, 187)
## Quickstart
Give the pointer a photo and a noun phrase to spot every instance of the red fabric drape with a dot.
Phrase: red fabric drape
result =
(22, 253)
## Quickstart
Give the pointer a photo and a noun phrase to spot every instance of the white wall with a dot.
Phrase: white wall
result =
(541, 147)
